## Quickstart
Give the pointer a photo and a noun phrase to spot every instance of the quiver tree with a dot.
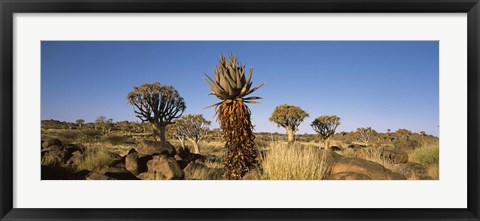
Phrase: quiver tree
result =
(100, 123)
(326, 126)
(288, 117)
(193, 128)
(157, 104)
(231, 86)
(109, 126)
(80, 122)
(365, 134)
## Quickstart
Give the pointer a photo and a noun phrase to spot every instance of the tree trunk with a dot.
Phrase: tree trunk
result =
(161, 130)
(196, 148)
(182, 142)
(291, 136)
(326, 143)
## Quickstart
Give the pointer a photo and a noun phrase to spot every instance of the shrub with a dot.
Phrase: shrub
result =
(114, 139)
(294, 163)
(208, 173)
(426, 155)
(94, 158)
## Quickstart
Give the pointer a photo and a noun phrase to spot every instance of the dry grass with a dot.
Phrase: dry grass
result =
(426, 155)
(94, 158)
(213, 171)
(294, 163)
(433, 171)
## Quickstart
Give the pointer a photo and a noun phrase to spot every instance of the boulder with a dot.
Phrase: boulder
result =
(131, 161)
(349, 176)
(54, 156)
(394, 156)
(51, 142)
(119, 173)
(165, 165)
(75, 159)
(82, 175)
(146, 147)
(150, 176)
(97, 176)
(371, 169)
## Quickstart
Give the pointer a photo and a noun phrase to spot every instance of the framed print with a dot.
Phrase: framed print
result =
(239, 110)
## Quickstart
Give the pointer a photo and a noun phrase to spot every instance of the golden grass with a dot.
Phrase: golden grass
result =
(433, 171)
(294, 163)
(207, 173)
(426, 154)
(94, 158)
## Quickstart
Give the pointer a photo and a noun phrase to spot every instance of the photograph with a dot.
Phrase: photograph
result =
(239, 110)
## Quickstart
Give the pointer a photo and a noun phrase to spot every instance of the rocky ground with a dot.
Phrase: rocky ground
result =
(152, 160)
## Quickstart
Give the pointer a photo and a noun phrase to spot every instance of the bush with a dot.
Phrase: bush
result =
(294, 163)
(426, 155)
(94, 158)
(114, 139)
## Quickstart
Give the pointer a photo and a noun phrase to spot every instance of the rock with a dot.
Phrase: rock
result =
(146, 147)
(118, 173)
(131, 161)
(51, 142)
(82, 175)
(395, 157)
(97, 176)
(252, 175)
(165, 165)
(416, 171)
(349, 176)
(75, 159)
(54, 157)
(150, 176)
(371, 169)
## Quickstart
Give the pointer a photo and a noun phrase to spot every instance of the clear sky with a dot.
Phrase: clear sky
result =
(385, 85)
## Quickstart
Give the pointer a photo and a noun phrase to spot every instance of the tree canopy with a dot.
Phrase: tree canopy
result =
(288, 116)
(157, 104)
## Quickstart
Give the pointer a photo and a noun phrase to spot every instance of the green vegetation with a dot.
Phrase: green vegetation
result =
(326, 126)
(426, 155)
(157, 104)
(288, 117)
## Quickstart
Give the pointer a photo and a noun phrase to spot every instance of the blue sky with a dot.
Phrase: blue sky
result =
(385, 85)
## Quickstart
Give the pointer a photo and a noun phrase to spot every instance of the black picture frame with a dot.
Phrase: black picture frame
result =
(9, 7)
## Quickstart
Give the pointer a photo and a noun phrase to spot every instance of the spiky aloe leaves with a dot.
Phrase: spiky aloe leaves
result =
(230, 83)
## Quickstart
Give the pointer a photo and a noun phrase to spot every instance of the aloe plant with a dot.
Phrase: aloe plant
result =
(232, 87)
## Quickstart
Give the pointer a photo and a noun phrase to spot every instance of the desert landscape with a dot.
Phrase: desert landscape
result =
(166, 143)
